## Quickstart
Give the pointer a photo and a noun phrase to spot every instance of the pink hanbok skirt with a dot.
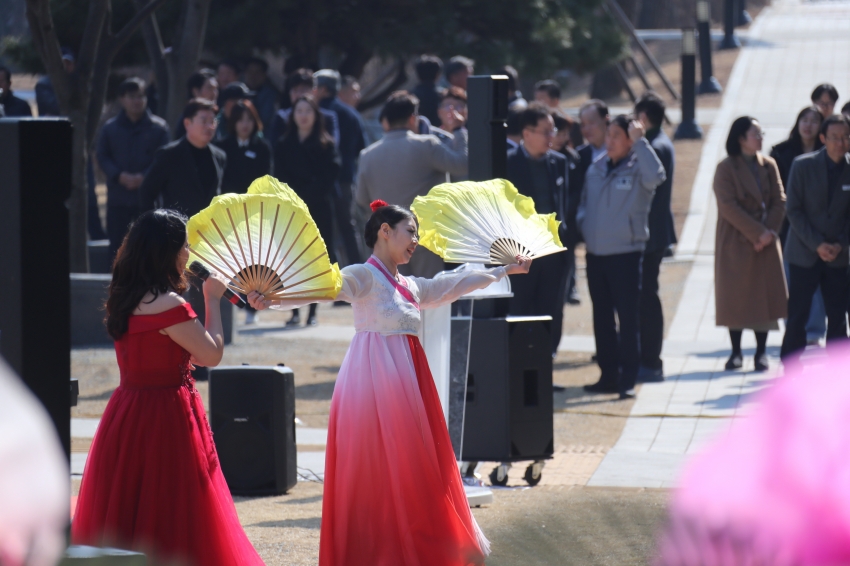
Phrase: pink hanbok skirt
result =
(393, 493)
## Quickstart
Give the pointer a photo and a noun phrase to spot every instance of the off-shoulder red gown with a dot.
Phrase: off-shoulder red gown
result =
(152, 481)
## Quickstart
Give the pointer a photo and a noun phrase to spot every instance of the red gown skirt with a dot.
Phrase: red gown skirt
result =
(393, 494)
(152, 482)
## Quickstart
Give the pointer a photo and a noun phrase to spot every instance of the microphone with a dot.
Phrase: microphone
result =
(202, 273)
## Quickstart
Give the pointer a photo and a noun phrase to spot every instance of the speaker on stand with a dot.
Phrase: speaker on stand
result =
(252, 416)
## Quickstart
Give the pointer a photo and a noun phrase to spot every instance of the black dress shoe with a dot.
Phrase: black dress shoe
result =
(628, 394)
(735, 361)
(649, 375)
(294, 321)
(601, 387)
(312, 321)
(761, 362)
(573, 299)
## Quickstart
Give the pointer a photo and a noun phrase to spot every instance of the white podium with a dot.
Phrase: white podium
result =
(436, 337)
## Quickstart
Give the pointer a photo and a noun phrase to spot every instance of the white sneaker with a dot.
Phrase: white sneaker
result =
(250, 317)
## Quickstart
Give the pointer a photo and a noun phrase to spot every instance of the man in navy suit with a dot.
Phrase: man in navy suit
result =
(540, 173)
(649, 110)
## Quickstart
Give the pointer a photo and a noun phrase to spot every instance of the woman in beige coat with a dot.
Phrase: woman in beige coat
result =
(749, 279)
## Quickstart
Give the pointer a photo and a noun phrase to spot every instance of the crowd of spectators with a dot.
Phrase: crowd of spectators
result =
(607, 178)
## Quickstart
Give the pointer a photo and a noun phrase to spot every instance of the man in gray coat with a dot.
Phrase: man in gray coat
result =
(613, 217)
(403, 165)
(818, 209)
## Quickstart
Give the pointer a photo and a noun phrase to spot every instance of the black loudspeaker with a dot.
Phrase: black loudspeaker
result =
(509, 390)
(488, 110)
(35, 314)
(252, 415)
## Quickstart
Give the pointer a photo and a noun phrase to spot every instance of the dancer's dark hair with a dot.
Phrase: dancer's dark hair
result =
(145, 263)
(382, 213)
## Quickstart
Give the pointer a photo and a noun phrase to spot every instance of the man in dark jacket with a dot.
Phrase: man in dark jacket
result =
(351, 142)
(125, 152)
(818, 208)
(538, 172)
(649, 110)
(12, 105)
(186, 174)
(266, 95)
(428, 71)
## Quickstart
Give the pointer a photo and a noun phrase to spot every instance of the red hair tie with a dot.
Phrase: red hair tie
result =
(376, 204)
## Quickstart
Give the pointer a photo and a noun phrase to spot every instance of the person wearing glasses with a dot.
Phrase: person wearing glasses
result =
(816, 248)
(749, 278)
(453, 117)
(187, 173)
(613, 216)
(540, 173)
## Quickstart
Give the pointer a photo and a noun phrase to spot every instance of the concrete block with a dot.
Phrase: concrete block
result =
(99, 256)
(88, 299)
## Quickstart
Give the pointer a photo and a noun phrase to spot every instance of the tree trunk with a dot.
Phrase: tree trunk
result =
(174, 66)
(355, 60)
(81, 94)
(606, 83)
(78, 203)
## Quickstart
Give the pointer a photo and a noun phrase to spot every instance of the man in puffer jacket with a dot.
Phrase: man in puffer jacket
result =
(613, 216)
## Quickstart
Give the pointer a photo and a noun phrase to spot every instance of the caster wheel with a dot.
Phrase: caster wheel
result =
(534, 473)
(499, 476)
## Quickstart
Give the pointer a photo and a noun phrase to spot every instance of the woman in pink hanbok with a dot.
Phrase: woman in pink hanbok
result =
(393, 493)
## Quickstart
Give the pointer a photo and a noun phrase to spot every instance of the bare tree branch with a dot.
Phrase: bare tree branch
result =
(157, 55)
(119, 39)
(92, 35)
(46, 42)
(399, 78)
(151, 35)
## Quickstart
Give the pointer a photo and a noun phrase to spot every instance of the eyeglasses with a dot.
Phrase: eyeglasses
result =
(546, 133)
(838, 139)
(459, 107)
(207, 122)
(759, 135)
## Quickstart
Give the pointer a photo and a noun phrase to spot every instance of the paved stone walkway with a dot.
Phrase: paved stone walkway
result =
(792, 47)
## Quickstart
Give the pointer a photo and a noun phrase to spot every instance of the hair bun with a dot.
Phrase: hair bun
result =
(376, 204)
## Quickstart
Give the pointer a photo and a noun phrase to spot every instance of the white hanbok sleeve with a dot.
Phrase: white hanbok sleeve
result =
(356, 283)
(450, 286)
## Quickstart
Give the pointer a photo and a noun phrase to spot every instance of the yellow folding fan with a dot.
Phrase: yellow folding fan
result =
(264, 241)
(484, 222)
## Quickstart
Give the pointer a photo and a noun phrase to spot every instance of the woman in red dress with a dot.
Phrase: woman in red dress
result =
(152, 481)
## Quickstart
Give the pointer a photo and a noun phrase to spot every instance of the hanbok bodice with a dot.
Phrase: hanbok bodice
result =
(387, 305)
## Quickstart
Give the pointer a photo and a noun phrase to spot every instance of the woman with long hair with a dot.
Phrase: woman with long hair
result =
(152, 481)
(392, 490)
(749, 279)
(307, 160)
(803, 138)
(248, 155)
